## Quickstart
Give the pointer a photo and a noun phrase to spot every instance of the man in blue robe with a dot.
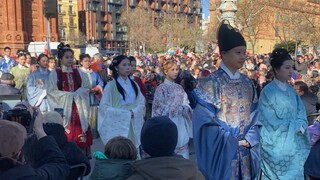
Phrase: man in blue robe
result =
(6, 63)
(225, 127)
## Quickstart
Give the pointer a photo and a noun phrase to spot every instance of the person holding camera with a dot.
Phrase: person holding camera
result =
(52, 163)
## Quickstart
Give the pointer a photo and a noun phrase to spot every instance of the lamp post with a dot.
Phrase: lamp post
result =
(228, 8)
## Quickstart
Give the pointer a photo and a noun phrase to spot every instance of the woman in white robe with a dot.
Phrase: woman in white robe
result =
(122, 105)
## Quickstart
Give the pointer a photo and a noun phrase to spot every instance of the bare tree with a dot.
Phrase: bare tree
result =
(139, 23)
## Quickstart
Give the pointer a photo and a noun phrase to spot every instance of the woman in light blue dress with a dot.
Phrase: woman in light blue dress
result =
(284, 136)
(96, 84)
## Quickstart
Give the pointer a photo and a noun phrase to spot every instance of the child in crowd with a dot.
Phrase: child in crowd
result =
(114, 163)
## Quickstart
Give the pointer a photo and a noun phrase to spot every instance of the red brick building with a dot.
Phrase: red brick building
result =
(21, 22)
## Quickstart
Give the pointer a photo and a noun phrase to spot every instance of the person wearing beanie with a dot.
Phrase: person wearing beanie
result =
(53, 126)
(225, 128)
(159, 137)
(51, 161)
(7, 85)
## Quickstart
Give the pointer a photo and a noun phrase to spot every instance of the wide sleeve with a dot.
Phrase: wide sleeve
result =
(81, 98)
(215, 147)
(187, 111)
(112, 121)
(159, 105)
(99, 81)
(36, 91)
(301, 122)
(138, 120)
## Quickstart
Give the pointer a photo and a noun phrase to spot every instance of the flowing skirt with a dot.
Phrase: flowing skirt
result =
(93, 118)
(74, 131)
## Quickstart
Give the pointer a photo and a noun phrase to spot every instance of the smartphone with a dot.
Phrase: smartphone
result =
(59, 110)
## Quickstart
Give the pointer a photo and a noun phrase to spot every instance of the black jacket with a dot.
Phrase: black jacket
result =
(8, 90)
(70, 150)
(53, 164)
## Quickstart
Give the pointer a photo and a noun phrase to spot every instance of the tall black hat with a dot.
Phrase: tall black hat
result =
(229, 37)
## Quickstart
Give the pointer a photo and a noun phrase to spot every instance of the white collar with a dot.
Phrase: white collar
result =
(166, 81)
(85, 70)
(281, 85)
(21, 67)
(7, 59)
(66, 69)
(236, 75)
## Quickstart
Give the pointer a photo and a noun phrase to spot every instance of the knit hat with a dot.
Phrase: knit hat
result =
(52, 117)
(7, 76)
(159, 136)
(12, 137)
(229, 37)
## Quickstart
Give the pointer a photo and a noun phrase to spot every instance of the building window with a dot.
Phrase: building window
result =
(71, 21)
(60, 8)
(61, 33)
(70, 9)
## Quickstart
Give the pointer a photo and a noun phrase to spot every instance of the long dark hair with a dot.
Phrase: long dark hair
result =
(62, 49)
(115, 62)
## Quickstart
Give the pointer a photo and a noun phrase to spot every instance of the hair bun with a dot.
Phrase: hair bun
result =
(63, 46)
(280, 53)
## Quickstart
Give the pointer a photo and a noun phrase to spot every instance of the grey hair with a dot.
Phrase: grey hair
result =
(98, 56)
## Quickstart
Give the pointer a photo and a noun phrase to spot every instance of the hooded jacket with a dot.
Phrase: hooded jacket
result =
(110, 169)
(165, 168)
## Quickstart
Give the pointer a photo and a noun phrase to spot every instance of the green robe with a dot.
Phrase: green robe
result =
(21, 75)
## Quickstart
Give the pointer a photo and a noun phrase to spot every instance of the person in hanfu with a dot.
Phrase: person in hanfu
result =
(122, 104)
(21, 73)
(225, 128)
(7, 63)
(171, 100)
(69, 89)
(37, 84)
(284, 137)
(95, 91)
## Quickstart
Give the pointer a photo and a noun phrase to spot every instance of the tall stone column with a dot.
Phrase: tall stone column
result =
(228, 8)
(11, 25)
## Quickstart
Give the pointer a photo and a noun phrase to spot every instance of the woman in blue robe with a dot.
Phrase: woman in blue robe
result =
(97, 85)
(37, 84)
(226, 133)
(284, 137)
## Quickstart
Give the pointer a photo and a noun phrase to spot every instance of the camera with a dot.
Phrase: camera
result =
(21, 115)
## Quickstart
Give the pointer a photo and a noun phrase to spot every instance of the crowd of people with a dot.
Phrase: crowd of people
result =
(249, 117)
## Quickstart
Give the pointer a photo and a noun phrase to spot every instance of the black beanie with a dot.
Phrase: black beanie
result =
(229, 37)
(159, 136)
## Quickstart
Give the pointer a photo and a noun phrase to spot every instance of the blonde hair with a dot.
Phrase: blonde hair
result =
(167, 65)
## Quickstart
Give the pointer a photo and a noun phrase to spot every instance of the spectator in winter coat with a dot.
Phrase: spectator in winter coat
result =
(114, 163)
(53, 126)
(51, 162)
(159, 138)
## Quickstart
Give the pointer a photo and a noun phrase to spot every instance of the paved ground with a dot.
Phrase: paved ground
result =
(98, 146)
